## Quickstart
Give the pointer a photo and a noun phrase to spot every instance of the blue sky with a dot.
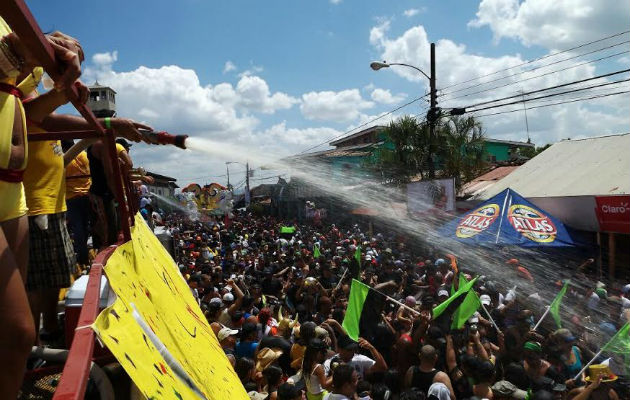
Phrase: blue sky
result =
(301, 70)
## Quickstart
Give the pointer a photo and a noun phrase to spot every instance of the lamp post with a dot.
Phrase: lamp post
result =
(227, 169)
(247, 195)
(432, 113)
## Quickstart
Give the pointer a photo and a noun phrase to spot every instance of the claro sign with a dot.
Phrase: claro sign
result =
(613, 213)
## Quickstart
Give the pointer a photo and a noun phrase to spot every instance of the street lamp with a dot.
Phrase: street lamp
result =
(432, 113)
(376, 65)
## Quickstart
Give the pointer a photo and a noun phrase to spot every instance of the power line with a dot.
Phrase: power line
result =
(362, 125)
(538, 59)
(550, 95)
(538, 76)
(553, 87)
(536, 68)
(553, 104)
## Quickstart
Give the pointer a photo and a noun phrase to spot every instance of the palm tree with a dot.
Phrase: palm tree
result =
(460, 148)
(406, 156)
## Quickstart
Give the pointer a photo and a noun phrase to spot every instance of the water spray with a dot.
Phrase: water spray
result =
(163, 137)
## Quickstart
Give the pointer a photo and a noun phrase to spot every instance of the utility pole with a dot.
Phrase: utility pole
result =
(227, 169)
(247, 195)
(432, 115)
(525, 109)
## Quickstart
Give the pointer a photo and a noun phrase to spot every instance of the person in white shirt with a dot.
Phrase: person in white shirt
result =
(363, 365)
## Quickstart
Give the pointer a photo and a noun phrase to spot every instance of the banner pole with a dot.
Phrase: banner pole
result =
(491, 319)
(395, 301)
(543, 317)
(588, 364)
(341, 280)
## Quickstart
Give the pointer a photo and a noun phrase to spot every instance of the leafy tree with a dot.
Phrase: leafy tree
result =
(398, 165)
(531, 152)
(460, 149)
(458, 146)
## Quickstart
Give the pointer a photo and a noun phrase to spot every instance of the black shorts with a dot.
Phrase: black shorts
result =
(51, 259)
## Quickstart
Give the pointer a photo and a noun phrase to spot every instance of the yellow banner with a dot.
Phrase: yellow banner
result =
(156, 329)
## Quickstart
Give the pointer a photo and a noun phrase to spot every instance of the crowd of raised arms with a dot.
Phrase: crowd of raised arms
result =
(277, 303)
(277, 309)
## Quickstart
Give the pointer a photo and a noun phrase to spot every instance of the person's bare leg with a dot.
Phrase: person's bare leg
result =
(17, 334)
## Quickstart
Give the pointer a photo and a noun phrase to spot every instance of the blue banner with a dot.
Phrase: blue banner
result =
(509, 219)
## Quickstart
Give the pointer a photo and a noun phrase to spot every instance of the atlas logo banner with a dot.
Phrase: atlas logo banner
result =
(532, 224)
(477, 221)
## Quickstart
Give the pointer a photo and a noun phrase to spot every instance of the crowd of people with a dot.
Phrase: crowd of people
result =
(277, 298)
(278, 313)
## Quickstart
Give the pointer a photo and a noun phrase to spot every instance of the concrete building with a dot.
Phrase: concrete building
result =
(163, 185)
(102, 100)
(586, 184)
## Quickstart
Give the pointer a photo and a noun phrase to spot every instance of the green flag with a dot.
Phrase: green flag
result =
(469, 306)
(554, 308)
(363, 312)
(357, 255)
(620, 344)
(439, 309)
(287, 229)
(316, 252)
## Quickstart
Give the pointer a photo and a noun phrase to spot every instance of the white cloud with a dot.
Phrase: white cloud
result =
(229, 66)
(256, 69)
(369, 87)
(254, 94)
(172, 98)
(335, 2)
(455, 64)
(105, 60)
(384, 96)
(343, 106)
(413, 12)
(552, 24)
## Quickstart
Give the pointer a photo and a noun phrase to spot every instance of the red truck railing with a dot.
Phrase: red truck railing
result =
(75, 374)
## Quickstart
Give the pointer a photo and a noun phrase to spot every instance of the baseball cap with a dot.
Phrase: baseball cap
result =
(485, 299)
(216, 301)
(229, 297)
(123, 143)
(225, 333)
(506, 388)
(443, 292)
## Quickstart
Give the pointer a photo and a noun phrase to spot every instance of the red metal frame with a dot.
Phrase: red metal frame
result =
(77, 368)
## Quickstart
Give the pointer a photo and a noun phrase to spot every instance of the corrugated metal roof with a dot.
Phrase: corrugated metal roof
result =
(357, 134)
(486, 180)
(585, 167)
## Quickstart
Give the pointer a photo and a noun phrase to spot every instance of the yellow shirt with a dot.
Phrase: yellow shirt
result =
(44, 177)
(78, 176)
(7, 114)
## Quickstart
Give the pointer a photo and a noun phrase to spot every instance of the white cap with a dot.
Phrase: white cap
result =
(226, 332)
(228, 297)
(443, 292)
(216, 300)
(485, 299)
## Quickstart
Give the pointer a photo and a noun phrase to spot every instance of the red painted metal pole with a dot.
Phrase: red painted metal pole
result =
(77, 369)
(123, 209)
